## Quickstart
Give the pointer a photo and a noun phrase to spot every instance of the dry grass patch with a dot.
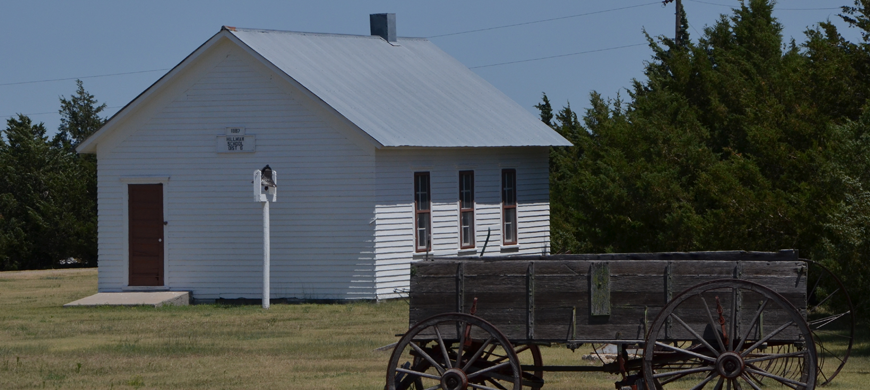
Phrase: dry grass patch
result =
(43, 345)
(192, 347)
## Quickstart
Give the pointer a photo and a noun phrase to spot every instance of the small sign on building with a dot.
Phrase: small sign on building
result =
(236, 141)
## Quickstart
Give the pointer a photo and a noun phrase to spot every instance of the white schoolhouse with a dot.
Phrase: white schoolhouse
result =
(387, 149)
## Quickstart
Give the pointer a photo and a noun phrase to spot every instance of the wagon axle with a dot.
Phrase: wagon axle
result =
(730, 365)
(454, 379)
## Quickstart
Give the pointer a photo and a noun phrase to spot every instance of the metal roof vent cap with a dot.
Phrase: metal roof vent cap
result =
(384, 26)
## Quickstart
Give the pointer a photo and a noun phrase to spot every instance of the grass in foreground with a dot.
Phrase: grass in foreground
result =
(43, 345)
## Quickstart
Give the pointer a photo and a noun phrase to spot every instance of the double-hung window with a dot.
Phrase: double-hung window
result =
(422, 212)
(466, 209)
(509, 206)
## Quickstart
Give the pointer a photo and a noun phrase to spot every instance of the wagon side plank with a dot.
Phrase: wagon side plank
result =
(554, 300)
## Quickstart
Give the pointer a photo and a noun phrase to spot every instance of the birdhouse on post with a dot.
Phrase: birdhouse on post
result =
(265, 187)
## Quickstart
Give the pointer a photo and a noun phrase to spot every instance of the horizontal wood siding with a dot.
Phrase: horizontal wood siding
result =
(322, 239)
(394, 231)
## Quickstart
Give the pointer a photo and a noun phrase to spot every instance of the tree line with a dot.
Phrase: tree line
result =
(48, 195)
(739, 140)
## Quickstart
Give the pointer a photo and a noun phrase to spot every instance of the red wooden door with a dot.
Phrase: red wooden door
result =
(145, 202)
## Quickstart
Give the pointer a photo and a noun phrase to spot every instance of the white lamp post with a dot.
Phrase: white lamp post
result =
(265, 187)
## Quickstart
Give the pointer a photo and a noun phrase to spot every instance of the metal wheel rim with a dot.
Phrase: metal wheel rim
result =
(508, 364)
(807, 368)
(828, 371)
(535, 353)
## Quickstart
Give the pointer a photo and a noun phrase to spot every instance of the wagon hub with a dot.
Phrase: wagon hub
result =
(454, 379)
(730, 365)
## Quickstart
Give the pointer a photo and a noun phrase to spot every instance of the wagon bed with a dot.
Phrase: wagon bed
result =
(589, 298)
(677, 307)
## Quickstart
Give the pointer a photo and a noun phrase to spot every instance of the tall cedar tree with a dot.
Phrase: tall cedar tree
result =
(735, 141)
(79, 119)
(34, 197)
(48, 195)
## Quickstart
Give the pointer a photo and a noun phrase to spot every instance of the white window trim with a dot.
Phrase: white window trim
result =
(467, 252)
(430, 245)
(509, 248)
(474, 212)
(501, 209)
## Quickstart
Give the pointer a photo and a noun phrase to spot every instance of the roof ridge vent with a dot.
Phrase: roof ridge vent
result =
(384, 26)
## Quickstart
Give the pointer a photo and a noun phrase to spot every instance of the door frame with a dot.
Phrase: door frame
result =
(125, 238)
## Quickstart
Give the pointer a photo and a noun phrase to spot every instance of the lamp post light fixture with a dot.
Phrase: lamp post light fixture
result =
(265, 187)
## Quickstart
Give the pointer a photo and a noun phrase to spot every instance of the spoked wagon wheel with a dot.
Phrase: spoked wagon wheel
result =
(454, 351)
(729, 354)
(531, 353)
(831, 317)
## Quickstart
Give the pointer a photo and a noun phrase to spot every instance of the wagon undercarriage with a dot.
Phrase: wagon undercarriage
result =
(718, 320)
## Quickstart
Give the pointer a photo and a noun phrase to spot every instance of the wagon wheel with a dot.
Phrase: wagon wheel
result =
(531, 352)
(831, 317)
(725, 353)
(454, 351)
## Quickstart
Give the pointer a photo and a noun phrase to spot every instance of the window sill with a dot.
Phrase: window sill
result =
(423, 255)
(467, 252)
(449, 253)
(509, 248)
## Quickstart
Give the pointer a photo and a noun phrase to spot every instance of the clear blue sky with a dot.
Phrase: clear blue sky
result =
(48, 40)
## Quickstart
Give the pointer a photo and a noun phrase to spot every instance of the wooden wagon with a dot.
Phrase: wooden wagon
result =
(690, 320)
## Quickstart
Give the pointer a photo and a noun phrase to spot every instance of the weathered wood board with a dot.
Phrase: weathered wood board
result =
(580, 298)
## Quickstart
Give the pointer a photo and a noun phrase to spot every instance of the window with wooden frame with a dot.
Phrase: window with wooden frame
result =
(509, 206)
(422, 212)
(466, 209)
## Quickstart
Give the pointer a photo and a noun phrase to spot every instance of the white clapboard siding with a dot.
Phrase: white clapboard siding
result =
(343, 225)
(322, 239)
(394, 213)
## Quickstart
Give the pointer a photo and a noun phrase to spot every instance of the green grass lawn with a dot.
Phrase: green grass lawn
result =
(308, 346)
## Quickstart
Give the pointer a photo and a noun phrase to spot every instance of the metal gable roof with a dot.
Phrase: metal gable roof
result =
(407, 94)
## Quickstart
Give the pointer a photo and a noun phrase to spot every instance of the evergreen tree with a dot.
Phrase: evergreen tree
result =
(736, 141)
(32, 196)
(857, 16)
(48, 196)
(546, 111)
(80, 118)
(846, 239)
